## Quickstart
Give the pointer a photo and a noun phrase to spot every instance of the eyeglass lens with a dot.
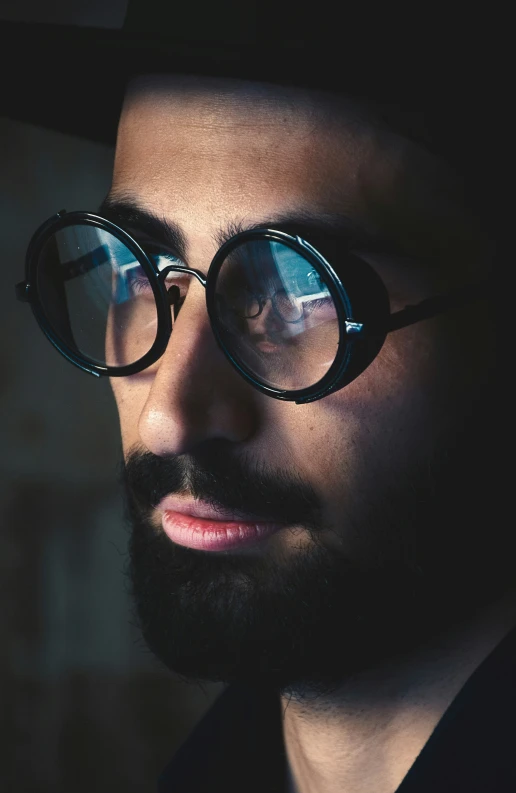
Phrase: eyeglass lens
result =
(97, 296)
(276, 315)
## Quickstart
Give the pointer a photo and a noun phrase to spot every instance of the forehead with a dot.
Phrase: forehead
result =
(206, 148)
(285, 133)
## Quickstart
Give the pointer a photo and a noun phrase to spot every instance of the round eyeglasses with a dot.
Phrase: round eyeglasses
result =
(293, 325)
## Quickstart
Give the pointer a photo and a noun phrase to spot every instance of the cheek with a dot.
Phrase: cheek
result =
(130, 397)
(390, 417)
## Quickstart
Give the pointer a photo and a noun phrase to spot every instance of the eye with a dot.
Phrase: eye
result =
(131, 280)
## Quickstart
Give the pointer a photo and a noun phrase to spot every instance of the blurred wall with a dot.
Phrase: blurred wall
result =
(85, 706)
(98, 13)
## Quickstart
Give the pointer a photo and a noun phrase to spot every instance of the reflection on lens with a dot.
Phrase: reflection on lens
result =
(96, 296)
(276, 314)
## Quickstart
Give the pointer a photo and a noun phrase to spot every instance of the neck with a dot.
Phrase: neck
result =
(367, 735)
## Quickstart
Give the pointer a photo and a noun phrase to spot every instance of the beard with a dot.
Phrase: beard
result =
(302, 620)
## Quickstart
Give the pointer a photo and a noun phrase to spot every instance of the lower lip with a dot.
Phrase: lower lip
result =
(214, 535)
(266, 346)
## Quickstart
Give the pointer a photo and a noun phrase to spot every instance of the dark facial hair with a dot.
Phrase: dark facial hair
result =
(304, 620)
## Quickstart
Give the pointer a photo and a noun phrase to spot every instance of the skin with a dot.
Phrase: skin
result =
(385, 463)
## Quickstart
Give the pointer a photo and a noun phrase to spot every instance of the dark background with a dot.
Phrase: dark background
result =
(84, 705)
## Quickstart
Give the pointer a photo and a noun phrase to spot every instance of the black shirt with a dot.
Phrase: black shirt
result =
(238, 746)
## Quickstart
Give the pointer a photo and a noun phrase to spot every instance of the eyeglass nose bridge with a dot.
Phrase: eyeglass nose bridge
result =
(173, 291)
(177, 268)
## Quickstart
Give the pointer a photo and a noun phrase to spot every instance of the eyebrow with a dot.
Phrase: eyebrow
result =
(131, 216)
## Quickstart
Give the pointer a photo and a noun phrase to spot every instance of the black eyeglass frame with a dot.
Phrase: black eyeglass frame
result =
(352, 333)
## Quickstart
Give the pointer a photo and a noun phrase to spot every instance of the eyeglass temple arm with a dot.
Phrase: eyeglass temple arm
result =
(433, 306)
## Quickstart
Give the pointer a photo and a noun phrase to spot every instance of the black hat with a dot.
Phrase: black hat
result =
(440, 66)
(71, 78)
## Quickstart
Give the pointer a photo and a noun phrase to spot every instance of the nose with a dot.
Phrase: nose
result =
(267, 321)
(195, 394)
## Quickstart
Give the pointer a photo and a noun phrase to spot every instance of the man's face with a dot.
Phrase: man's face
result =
(379, 545)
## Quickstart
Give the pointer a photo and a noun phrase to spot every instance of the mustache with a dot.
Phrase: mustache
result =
(215, 475)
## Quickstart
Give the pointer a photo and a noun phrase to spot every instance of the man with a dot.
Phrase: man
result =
(307, 460)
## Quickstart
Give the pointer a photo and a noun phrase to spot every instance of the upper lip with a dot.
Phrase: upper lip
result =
(201, 509)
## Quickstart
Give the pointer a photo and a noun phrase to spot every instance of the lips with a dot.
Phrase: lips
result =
(201, 509)
(196, 524)
(266, 346)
